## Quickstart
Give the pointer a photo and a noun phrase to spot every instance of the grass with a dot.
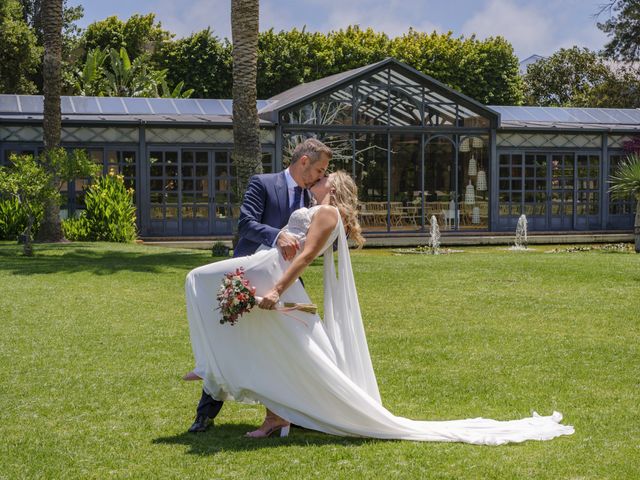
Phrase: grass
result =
(94, 339)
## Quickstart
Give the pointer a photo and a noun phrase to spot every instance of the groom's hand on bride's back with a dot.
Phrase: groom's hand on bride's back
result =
(288, 245)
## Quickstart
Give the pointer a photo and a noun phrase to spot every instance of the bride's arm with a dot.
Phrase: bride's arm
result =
(322, 224)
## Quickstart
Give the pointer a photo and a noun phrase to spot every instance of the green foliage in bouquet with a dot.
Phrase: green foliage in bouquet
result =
(110, 212)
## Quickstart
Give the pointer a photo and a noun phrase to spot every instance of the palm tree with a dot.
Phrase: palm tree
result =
(50, 229)
(246, 138)
(626, 183)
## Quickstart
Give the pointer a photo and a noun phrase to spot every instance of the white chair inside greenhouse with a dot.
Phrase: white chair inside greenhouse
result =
(450, 216)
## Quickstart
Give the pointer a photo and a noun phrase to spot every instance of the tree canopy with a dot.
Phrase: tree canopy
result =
(486, 70)
(622, 28)
(139, 35)
(578, 77)
(201, 61)
(20, 54)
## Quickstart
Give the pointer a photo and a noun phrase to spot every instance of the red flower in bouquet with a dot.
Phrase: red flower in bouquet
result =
(235, 296)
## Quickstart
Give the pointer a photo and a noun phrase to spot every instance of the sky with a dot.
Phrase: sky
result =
(532, 26)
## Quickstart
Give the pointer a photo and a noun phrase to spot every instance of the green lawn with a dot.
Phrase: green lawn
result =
(94, 341)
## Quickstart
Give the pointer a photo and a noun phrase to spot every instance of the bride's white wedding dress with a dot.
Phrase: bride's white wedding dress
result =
(316, 373)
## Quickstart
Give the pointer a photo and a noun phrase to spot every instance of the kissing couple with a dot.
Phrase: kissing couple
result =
(311, 371)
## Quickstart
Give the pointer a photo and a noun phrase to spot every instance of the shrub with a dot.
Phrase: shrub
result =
(13, 219)
(219, 249)
(76, 229)
(110, 213)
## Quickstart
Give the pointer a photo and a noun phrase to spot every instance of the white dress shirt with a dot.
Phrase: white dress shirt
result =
(291, 185)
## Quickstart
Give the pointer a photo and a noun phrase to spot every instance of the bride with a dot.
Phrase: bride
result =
(314, 372)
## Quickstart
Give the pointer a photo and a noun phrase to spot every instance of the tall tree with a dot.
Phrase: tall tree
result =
(623, 29)
(50, 229)
(283, 59)
(19, 52)
(486, 70)
(32, 14)
(246, 135)
(139, 35)
(621, 89)
(578, 77)
(565, 79)
(201, 61)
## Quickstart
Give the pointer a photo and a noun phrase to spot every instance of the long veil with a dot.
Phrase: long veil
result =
(343, 320)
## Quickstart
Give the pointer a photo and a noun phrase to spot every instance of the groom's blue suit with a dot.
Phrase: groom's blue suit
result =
(263, 213)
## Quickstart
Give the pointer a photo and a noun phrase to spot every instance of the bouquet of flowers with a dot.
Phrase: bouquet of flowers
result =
(236, 297)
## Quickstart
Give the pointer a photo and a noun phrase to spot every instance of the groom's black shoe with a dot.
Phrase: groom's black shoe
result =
(200, 424)
(208, 409)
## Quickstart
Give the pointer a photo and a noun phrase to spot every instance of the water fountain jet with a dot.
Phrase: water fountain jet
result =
(434, 240)
(521, 234)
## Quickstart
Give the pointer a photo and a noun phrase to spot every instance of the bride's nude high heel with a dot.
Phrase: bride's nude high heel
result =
(272, 423)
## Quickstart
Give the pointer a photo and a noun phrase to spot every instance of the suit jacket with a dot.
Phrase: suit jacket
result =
(264, 211)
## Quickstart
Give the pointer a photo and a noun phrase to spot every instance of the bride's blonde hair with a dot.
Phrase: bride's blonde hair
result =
(344, 196)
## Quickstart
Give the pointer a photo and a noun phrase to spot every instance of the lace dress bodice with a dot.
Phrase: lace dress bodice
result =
(299, 223)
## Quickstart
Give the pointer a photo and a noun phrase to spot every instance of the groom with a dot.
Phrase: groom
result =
(268, 203)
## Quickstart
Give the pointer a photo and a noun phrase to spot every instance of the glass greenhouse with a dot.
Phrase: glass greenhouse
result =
(416, 148)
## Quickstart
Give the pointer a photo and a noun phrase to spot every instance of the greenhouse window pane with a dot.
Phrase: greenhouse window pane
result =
(372, 105)
(162, 106)
(333, 109)
(401, 79)
(112, 105)
(405, 107)
(138, 106)
(86, 105)
(188, 106)
(9, 103)
(433, 97)
(31, 104)
(66, 106)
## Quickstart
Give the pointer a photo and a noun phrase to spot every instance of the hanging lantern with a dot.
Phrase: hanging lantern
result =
(464, 145)
(477, 142)
(470, 194)
(475, 215)
(473, 166)
(481, 181)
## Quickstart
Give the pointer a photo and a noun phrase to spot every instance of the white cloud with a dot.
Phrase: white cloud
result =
(184, 18)
(527, 28)
(592, 39)
(274, 15)
(392, 18)
(538, 27)
(532, 26)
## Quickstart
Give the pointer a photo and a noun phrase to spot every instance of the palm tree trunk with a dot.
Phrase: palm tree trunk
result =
(50, 230)
(246, 138)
